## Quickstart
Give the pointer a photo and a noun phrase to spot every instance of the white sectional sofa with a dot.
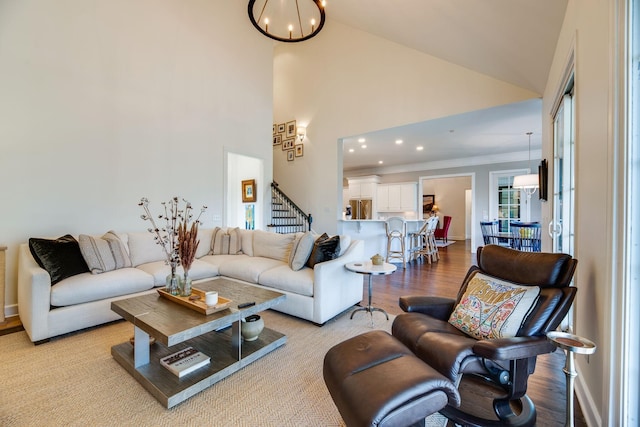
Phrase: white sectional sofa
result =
(257, 257)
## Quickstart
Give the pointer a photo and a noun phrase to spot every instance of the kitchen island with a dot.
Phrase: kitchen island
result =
(374, 235)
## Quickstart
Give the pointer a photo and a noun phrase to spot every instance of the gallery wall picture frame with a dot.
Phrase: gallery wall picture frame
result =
(277, 139)
(249, 191)
(287, 144)
(291, 129)
(275, 128)
(281, 128)
(290, 155)
(299, 149)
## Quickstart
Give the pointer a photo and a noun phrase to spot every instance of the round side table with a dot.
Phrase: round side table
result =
(368, 268)
(572, 344)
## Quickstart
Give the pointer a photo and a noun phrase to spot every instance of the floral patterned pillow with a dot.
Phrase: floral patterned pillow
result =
(493, 308)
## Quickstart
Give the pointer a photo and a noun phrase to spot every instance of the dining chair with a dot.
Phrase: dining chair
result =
(526, 236)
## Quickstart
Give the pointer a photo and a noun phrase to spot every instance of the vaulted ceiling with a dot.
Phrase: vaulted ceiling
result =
(511, 40)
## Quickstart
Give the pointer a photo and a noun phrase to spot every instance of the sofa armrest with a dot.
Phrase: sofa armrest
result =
(34, 295)
(513, 348)
(333, 283)
(437, 307)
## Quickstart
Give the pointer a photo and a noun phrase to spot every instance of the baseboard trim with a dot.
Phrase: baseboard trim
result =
(587, 404)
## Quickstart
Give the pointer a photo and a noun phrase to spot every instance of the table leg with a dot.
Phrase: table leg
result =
(236, 340)
(570, 372)
(140, 347)
(369, 308)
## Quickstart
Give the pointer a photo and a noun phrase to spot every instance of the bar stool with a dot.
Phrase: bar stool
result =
(396, 228)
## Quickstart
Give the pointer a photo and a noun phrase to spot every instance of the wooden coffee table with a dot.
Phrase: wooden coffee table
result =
(175, 327)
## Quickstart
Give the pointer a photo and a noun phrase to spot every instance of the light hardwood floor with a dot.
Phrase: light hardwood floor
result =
(443, 278)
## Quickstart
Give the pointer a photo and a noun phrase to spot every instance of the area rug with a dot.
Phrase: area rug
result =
(444, 244)
(74, 381)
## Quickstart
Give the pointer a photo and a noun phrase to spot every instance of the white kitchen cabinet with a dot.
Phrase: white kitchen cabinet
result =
(363, 187)
(400, 197)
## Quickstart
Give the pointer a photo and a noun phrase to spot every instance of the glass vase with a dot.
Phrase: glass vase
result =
(185, 285)
(172, 285)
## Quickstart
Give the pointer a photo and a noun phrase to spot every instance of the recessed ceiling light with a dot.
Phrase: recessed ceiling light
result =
(419, 148)
(380, 162)
(361, 140)
(363, 146)
(399, 141)
(351, 150)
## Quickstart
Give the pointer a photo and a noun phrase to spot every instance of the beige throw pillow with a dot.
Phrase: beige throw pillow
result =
(104, 253)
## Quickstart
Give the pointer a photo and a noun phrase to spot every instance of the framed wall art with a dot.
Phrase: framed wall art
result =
(287, 144)
(299, 148)
(281, 128)
(291, 129)
(428, 200)
(277, 139)
(290, 155)
(249, 191)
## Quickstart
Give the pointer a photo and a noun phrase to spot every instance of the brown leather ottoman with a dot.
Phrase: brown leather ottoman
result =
(375, 380)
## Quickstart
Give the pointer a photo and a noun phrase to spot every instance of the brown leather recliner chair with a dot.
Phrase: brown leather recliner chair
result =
(501, 363)
(377, 379)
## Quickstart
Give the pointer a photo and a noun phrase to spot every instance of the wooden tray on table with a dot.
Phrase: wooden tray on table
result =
(198, 305)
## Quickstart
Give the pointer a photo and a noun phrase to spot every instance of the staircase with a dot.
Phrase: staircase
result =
(286, 216)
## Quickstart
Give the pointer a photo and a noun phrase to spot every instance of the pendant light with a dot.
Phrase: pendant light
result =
(527, 183)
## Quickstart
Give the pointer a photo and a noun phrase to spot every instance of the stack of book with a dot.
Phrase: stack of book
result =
(185, 361)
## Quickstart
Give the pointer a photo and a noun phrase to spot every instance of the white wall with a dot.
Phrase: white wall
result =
(586, 31)
(104, 102)
(345, 82)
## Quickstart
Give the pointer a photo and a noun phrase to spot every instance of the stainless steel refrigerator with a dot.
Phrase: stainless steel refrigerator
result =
(361, 208)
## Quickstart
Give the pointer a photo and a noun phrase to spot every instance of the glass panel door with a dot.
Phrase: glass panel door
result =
(562, 224)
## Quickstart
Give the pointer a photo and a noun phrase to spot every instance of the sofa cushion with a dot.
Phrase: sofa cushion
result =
(89, 287)
(160, 270)
(217, 260)
(60, 257)
(493, 308)
(285, 279)
(205, 236)
(301, 250)
(248, 269)
(143, 249)
(272, 245)
(325, 248)
(246, 239)
(104, 253)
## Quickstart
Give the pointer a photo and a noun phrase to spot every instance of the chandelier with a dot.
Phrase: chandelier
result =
(287, 20)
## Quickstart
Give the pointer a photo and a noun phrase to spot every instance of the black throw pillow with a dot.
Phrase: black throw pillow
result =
(324, 249)
(60, 257)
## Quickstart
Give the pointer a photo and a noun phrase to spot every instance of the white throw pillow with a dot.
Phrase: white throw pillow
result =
(345, 242)
(301, 250)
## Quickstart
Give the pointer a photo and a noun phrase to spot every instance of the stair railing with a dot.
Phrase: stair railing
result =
(286, 216)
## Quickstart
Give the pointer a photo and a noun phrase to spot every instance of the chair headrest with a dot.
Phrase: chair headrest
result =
(535, 268)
